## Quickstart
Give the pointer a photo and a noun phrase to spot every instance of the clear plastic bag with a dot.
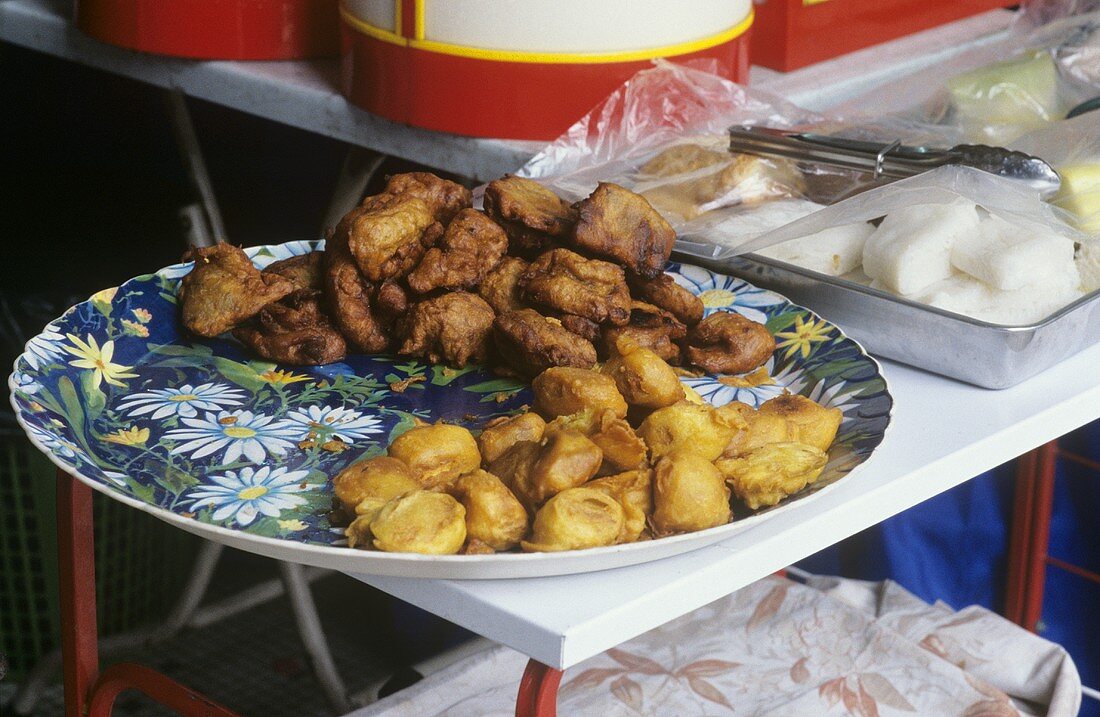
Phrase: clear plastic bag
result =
(1044, 67)
(664, 135)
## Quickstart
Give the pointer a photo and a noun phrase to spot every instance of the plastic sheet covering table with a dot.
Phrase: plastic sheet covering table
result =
(778, 647)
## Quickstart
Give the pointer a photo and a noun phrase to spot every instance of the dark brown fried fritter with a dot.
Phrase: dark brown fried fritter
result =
(305, 271)
(664, 292)
(500, 287)
(617, 224)
(530, 343)
(348, 295)
(727, 342)
(650, 327)
(569, 283)
(581, 326)
(533, 216)
(444, 197)
(453, 328)
(294, 331)
(471, 247)
(388, 234)
(390, 302)
(225, 289)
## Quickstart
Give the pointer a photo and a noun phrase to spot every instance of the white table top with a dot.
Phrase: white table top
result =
(306, 94)
(943, 433)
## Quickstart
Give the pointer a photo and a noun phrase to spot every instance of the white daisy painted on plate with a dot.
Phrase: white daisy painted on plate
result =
(720, 390)
(243, 495)
(726, 292)
(327, 422)
(25, 384)
(840, 395)
(240, 433)
(44, 348)
(52, 442)
(184, 401)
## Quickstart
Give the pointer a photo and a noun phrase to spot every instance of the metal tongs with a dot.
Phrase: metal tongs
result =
(893, 159)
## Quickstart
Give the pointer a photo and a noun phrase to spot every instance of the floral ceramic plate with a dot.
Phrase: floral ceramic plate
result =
(203, 436)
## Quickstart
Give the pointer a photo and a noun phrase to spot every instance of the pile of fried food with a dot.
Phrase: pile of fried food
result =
(609, 456)
(573, 296)
(530, 283)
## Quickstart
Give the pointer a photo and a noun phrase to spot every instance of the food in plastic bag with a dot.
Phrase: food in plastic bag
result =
(833, 252)
(999, 101)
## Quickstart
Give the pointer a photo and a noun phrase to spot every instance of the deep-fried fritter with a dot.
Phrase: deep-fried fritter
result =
(471, 247)
(348, 296)
(565, 390)
(502, 433)
(494, 516)
(453, 328)
(436, 454)
(575, 519)
(418, 522)
(530, 343)
(532, 215)
(617, 224)
(634, 492)
(295, 331)
(772, 472)
(305, 271)
(500, 287)
(387, 234)
(376, 480)
(225, 289)
(807, 421)
(650, 327)
(444, 197)
(581, 326)
(689, 428)
(622, 448)
(536, 471)
(727, 342)
(567, 282)
(689, 494)
(390, 302)
(643, 378)
(666, 294)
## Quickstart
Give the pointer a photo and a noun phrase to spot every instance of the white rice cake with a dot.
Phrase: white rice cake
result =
(963, 294)
(1009, 257)
(740, 227)
(834, 251)
(1088, 265)
(911, 249)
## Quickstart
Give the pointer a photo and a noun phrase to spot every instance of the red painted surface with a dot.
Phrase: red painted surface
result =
(1030, 535)
(482, 98)
(788, 34)
(538, 691)
(76, 566)
(89, 693)
(215, 29)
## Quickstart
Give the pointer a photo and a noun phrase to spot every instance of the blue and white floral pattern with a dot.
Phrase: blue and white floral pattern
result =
(116, 392)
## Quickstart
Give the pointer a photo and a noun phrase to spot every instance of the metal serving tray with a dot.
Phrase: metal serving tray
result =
(977, 352)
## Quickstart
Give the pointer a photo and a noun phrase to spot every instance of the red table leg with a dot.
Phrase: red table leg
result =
(79, 634)
(538, 691)
(1030, 535)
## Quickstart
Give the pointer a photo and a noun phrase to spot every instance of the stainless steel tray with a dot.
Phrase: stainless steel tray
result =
(977, 352)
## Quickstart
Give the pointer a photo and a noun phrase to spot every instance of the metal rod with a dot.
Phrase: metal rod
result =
(313, 636)
(187, 141)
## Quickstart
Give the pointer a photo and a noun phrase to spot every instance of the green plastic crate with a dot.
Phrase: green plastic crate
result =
(141, 563)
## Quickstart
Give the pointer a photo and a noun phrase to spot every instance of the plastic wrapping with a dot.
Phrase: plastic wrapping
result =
(664, 134)
(1047, 65)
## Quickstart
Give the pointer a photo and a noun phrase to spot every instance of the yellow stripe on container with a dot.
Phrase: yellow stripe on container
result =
(480, 53)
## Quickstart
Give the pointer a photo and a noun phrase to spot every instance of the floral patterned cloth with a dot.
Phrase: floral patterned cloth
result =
(777, 647)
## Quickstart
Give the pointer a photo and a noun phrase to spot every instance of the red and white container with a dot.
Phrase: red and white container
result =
(215, 29)
(523, 69)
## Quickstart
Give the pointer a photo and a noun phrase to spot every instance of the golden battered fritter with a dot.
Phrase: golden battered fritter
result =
(388, 235)
(305, 271)
(500, 287)
(772, 472)
(225, 289)
(665, 293)
(471, 247)
(649, 327)
(502, 433)
(533, 216)
(727, 342)
(452, 328)
(529, 343)
(444, 197)
(617, 224)
(569, 283)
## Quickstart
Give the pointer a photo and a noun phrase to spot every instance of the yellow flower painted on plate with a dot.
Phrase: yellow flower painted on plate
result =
(142, 315)
(717, 298)
(92, 356)
(132, 436)
(105, 296)
(802, 337)
(133, 328)
(292, 525)
(282, 377)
